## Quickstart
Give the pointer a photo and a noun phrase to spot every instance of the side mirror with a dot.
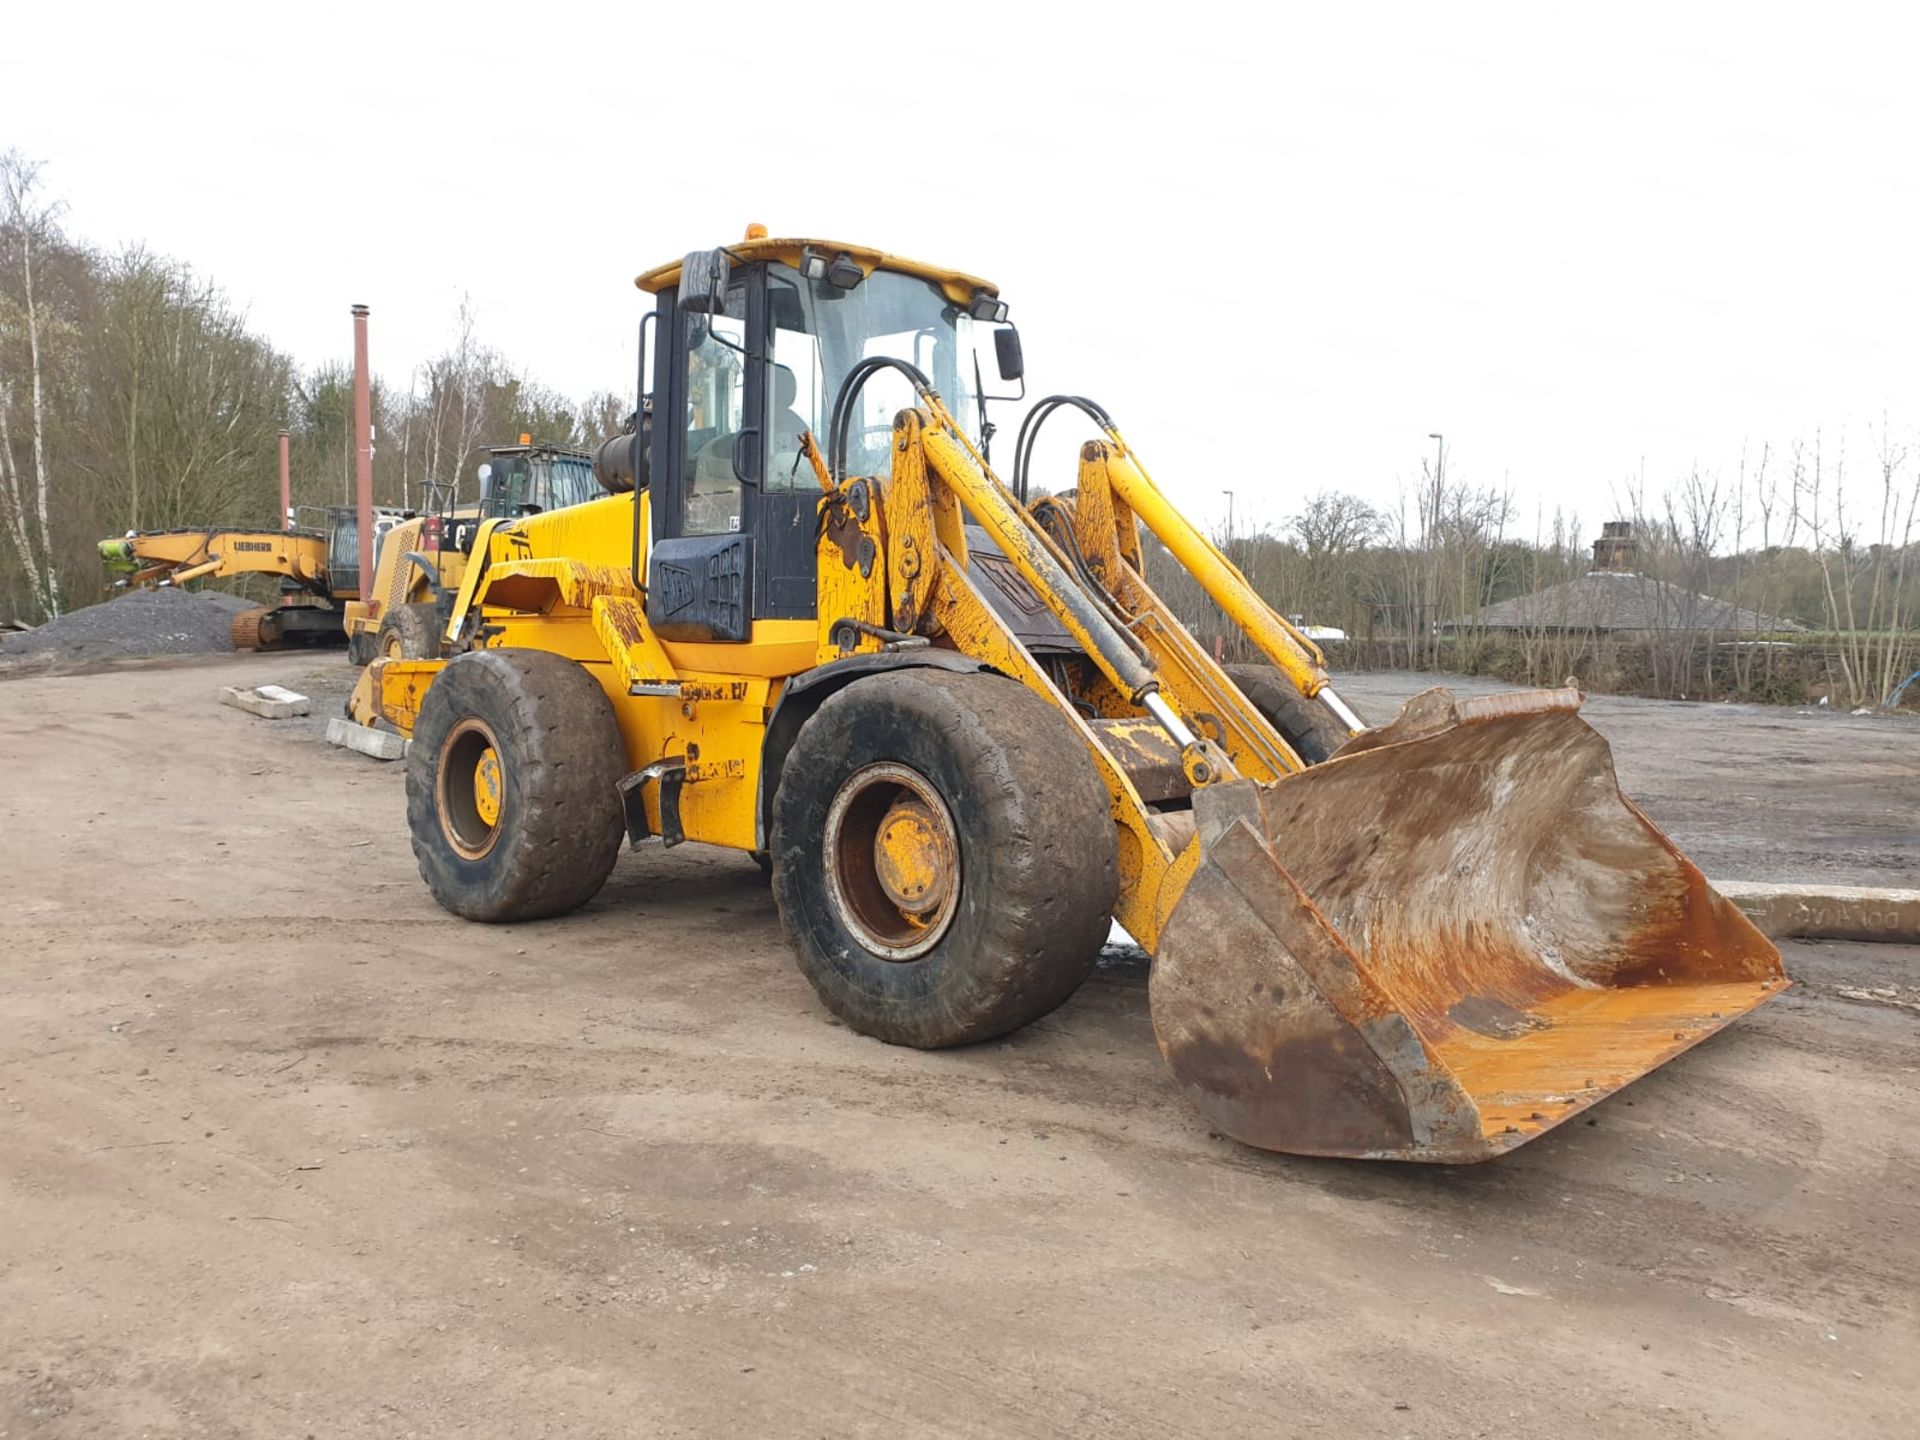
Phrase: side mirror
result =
(486, 480)
(1006, 349)
(703, 282)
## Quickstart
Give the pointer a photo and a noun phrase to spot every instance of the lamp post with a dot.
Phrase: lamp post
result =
(1439, 470)
(1433, 541)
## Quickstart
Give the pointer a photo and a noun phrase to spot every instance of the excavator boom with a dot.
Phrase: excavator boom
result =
(175, 557)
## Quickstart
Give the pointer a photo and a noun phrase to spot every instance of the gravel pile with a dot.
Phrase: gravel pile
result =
(141, 622)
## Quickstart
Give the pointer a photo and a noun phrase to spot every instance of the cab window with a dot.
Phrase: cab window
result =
(716, 415)
(820, 333)
(562, 480)
(797, 395)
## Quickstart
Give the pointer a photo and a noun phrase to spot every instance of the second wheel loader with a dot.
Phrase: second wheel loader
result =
(423, 556)
(964, 733)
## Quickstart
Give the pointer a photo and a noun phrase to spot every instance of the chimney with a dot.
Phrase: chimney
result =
(1616, 552)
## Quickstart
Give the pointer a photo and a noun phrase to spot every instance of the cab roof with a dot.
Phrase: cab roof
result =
(539, 447)
(957, 285)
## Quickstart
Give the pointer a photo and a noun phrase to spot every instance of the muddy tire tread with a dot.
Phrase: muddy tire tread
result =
(562, 824)
(414, 624)
(1308, 726)
(1038, 855)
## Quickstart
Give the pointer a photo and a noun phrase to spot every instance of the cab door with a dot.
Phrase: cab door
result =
(786, 505)
(700, 574)
(735, 501)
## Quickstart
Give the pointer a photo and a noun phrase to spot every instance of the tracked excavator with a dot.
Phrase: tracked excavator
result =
(963, 734)
(420, 557)
(319, 571)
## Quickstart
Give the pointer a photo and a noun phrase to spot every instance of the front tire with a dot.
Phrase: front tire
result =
(409, 632)
(944, 857)
(511, 782)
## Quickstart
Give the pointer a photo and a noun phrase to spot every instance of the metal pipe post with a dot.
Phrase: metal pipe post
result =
(363, 451)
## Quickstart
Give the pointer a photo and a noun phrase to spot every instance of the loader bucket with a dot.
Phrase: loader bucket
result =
(1449, 937)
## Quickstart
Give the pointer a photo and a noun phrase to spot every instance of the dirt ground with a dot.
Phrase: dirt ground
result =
(285, 1150)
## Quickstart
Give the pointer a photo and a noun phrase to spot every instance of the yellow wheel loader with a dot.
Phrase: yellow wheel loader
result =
(964, 733)
(422, 557)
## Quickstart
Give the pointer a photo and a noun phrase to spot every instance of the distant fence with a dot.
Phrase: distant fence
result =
(1778, 670)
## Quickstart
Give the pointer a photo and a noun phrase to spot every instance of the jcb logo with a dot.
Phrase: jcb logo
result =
(676, 588)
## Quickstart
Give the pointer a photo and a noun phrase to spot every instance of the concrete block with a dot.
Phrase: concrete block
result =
(1828, 912)
(269, 702)
(380, 744)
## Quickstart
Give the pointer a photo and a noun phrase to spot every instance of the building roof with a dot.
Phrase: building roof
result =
(1614, 600)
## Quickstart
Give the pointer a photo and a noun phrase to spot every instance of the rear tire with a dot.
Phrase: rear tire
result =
(537, 836)
(1003, 901)
(409, 632)
(360, 647)
(1307, 725)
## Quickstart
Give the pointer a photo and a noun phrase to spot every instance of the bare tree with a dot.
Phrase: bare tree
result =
(406, 439)
(14, 509)
(1333, 523)
(31, 221)
(183, 404)
(457, 383)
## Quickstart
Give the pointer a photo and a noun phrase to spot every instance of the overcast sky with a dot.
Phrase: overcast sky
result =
(1281, 243)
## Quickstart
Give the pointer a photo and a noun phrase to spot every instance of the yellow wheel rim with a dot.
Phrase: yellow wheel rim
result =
(913, 858)
(486, 787)
(893, 862)
(470, 788)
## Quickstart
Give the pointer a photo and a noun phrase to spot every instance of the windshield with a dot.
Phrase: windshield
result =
(568, 480)
(529, 484)
(820, 332)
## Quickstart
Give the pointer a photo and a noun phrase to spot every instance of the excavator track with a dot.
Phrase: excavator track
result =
(246, 629)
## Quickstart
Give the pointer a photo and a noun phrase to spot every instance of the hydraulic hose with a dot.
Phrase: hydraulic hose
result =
(850, 389)
(1030, 433)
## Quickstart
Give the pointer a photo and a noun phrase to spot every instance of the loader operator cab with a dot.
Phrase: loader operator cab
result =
(515, 481)
(751, 348)
(527, 479)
